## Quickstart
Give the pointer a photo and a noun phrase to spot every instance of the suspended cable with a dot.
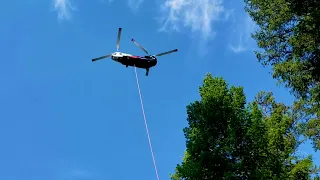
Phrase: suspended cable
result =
(146, 125)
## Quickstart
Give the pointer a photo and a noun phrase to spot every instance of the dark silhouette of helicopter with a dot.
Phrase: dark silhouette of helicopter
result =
(144, 62)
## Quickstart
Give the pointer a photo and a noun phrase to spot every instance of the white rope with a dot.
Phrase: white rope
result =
(146, 125)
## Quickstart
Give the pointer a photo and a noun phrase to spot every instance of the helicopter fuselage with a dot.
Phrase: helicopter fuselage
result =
(144, 62)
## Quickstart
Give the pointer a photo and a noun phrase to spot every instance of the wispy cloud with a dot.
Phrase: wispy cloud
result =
(198, 15)
(135, 4)
(242, 40)
(63, 7)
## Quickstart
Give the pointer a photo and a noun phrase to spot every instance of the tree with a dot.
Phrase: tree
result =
(229, 139)
(289, 34)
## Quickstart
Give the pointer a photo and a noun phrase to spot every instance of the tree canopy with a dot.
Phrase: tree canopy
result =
(228, 138)
(289, 34)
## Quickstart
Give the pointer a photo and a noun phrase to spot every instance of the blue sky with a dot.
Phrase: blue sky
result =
(66, 118)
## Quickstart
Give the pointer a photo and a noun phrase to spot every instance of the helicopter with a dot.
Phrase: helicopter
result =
(143, 62)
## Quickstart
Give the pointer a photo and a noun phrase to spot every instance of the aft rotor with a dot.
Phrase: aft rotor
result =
(152, 56)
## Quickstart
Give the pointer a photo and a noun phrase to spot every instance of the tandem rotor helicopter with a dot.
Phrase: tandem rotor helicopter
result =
(144, 62)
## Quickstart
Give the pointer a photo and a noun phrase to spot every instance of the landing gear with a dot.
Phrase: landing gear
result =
(126, 66)
(147, 71)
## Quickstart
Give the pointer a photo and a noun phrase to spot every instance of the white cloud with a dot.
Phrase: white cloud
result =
(240, 47)
(195, 14)
(135, 4)
(243, 42)
(63, 8)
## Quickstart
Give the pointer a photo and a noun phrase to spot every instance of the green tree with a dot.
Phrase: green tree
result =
(289, 34)
(227, 139)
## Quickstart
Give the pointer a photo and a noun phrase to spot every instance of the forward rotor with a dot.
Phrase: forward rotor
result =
(102, 57)
(117, 46)
(118, 40)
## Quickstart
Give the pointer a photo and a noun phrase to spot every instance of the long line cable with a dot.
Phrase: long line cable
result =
(146, 125)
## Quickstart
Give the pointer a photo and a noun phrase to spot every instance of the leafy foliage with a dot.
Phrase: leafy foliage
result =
(289, 33)
(227, 139)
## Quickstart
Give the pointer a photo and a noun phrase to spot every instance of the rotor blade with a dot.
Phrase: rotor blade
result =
(168, 52)
(143, 49)
(102, 57)
(118, 40)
